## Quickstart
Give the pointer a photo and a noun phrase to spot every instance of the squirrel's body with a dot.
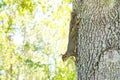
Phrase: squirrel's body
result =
(71, 48)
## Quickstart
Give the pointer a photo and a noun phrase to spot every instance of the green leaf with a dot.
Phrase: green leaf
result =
(29, 62)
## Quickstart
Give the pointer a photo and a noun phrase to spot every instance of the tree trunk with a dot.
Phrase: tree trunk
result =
(98, 39)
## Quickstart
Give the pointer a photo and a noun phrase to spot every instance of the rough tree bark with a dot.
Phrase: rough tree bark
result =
(98, 39)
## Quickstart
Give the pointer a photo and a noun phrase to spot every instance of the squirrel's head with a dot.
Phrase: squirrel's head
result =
(64, 57)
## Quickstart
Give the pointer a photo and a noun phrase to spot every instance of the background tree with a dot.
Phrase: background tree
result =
(98, 39)
(33, 35)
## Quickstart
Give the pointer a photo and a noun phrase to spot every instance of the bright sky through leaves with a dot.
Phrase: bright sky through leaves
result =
(33, 36)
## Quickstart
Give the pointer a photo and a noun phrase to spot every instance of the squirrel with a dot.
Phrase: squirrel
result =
(71, 48)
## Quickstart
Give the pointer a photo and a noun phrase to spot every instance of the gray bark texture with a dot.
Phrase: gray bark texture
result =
(98, 39)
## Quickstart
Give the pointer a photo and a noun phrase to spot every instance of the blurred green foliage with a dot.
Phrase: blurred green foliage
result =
(33, 36)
